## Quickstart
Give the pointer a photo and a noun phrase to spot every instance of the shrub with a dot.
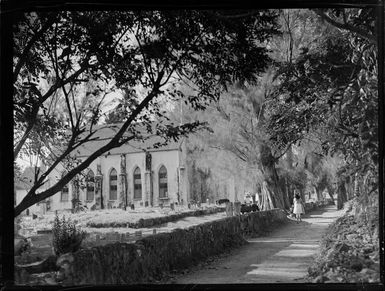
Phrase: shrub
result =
(67, 237)
(22, 246)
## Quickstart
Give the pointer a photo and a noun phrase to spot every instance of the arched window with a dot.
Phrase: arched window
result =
(64, 194)
(163, 182)
(90, 186)
(137, 184)
(113, 185)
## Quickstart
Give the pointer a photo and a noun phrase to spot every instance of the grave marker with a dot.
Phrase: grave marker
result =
(229, 209)
(109, 236)
(237, 208)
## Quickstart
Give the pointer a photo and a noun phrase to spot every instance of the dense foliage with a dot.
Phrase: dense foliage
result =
(330, 91)
(66, 236)
(349, 249)
(67, 62)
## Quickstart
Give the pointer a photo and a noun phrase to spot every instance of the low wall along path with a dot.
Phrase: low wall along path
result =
(152, 257)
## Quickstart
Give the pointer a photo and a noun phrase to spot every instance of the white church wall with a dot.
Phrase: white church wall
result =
(183, 175)
(108, 163)
(55, 200)
(83, 192)
(170, 160)
(134, 160)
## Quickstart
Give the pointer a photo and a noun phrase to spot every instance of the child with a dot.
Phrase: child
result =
(298, 207)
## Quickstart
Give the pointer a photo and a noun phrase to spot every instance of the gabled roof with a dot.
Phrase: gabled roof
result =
(104, 133)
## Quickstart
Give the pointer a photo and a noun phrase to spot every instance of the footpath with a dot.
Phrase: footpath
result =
(281, 257)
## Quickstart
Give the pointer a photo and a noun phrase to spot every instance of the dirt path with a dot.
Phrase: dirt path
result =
(281, 257)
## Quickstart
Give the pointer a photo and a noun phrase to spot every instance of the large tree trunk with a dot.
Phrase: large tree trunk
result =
(349, 185)
(267, 199)
(319, 191)
(289, 193)
(341, 195)
(330, 192)
(271, 179)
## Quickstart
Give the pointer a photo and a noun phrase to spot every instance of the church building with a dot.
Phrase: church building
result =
(135, 173)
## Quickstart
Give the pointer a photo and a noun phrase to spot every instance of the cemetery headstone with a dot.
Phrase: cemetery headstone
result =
(109, 236)
(132, 206)
(138, 233)
(189, 206)
(172, 207)
(229, 208)
(161, 205)
(237, 208)
(146, 204)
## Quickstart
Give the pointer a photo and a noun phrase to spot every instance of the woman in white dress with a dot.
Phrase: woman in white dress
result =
(298, 207)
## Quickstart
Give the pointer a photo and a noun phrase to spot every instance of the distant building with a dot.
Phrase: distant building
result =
(23, 185)
(135, 173)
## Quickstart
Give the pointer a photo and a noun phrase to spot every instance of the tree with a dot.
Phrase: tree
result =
(67, 57)
(236, 122)
(331, 90)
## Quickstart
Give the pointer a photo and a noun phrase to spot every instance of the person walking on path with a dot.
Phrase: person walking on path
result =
(298, 207)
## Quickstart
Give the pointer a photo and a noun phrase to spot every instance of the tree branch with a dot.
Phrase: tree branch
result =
(345, 26)
(32, 41)
(31, 198)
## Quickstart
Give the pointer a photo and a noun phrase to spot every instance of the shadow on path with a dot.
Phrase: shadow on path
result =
(281, 257)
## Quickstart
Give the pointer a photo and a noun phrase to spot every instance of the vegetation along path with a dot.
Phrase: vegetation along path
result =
(281, 257)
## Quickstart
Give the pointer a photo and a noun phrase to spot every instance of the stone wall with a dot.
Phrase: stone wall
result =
(149, 222)
(151, 257)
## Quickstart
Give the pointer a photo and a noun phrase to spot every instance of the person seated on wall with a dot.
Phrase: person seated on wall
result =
(254, 207)
(245, 208)
(222, 201)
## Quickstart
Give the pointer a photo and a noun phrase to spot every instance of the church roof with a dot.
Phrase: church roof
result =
(104, 134)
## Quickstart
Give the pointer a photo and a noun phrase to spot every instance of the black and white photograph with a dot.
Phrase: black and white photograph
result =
(196, 146)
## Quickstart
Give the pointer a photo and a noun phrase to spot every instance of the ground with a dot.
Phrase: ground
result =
(282, 256)
(30, 226)
(42, 243)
